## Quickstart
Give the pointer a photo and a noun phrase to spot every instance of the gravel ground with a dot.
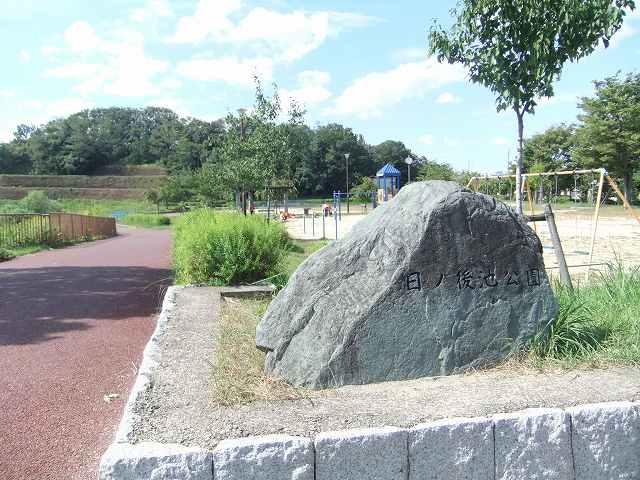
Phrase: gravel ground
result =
(177, 408)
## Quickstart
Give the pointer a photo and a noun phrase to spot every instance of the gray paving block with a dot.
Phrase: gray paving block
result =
(271, 457)
(362, 454)
(534, 444)
(452, 448)
(155, 461)
(606, 441)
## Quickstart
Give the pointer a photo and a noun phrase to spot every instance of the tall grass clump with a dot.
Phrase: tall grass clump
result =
(598, 322)
(227, 248)
(146, 220)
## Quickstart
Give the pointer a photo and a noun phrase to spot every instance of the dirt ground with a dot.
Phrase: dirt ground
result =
(617, 236)
(178, 408)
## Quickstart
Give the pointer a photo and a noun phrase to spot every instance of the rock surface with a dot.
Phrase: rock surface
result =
(606, 440)
(155, 461)
(453, 448)
(362, 454)
(271, 457)
(436, 281)
(534, 444)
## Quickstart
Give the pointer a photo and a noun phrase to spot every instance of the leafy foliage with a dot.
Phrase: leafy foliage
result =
(38, 202)
(610, 130)
(432, 170)
(227, 248)
(597, 322)
(518, 49)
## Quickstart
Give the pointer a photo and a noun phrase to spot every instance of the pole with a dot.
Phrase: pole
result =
(565, 278)
(614, 185)
(324, 216)
(408, 173)
(268, 207)
(335, 219)
(346, 155)
(304, 223)
(596, 215)
(313, 224)
(524, 182)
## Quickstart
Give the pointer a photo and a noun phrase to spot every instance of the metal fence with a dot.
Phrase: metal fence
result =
(17, 230)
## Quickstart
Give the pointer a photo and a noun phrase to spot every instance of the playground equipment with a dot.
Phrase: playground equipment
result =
(576, 194)
(388, 180)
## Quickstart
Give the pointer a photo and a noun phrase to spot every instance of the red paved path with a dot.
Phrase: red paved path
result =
(73, 323)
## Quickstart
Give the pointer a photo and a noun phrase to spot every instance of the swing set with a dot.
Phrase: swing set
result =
(475, 183)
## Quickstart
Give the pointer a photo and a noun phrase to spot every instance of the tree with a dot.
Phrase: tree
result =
(432, 170)
(550, 151)
(610, 132)
(153, 196)
(518, 48)
(390, 151)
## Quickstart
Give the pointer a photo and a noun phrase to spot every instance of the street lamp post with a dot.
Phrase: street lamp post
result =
(346, 156)
(408, 161)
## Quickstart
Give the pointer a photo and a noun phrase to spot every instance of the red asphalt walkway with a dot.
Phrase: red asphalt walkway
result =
(73, 325)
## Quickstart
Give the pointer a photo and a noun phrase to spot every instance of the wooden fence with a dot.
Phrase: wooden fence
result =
(17, 230)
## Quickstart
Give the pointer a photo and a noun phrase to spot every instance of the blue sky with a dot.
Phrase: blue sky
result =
(359, 63)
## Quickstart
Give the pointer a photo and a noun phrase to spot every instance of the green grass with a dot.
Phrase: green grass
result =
(98, 208)
(219, 248)
(597, 324)
(148, 220)
(299, 251)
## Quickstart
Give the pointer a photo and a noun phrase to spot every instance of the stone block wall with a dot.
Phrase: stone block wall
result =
(600, 441)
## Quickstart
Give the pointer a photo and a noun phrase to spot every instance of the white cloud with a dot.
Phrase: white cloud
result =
(66, 106)
(500, 141)
(24, 56)
(426, 139)
(152, 9)
(284, 37)
(448, 97)
(410, 54)
(367, 96)
(119, 66)
(231, 70)
(210, 18)
(311, 90)
(81, 37)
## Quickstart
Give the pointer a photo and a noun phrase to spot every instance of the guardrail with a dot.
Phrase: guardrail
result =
(17, 230)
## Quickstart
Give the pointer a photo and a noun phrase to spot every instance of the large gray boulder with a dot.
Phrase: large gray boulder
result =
(436, 281)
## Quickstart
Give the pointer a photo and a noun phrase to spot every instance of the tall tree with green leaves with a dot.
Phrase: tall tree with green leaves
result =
(517, 48)
(610, 132)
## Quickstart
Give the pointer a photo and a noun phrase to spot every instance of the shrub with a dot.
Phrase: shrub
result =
(146, 220)
(227, 248)
(38, 202)
(5, 255)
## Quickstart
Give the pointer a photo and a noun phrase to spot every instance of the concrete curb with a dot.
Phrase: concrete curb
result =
(579, 443)
(149, 363)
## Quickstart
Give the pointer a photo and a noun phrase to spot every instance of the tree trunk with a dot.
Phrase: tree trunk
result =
(519, 164)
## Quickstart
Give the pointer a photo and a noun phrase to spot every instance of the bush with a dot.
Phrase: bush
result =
(5, 255)
(146, 220)
(38, 202)
(227, 248)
